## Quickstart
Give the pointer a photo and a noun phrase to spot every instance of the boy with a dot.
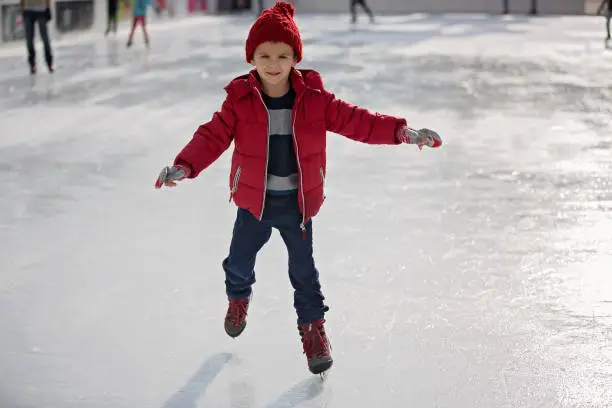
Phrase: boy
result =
(277, 117)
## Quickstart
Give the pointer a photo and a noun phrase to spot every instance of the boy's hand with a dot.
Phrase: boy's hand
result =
(422, 137)
(170, 175)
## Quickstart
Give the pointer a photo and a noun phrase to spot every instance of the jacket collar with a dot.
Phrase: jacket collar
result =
(245, 84)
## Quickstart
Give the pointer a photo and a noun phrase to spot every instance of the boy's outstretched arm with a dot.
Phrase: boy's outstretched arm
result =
(373, 128)
(209, 141)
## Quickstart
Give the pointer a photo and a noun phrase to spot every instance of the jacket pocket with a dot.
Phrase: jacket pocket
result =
(235, 183)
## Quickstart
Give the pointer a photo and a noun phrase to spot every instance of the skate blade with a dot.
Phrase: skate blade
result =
(324, 375)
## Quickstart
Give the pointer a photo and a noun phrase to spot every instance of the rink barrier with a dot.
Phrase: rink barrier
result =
(87, 15)
(542, 7)
(11, 24)
(82, 15)
(68, 15)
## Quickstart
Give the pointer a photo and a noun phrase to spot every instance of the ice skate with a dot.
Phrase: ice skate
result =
(316, 346)
(235, 318)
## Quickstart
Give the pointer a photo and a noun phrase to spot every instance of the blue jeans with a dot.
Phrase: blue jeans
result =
(250, 235)
(29, 19)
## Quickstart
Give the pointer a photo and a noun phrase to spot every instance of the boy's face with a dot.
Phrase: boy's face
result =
(273, 62)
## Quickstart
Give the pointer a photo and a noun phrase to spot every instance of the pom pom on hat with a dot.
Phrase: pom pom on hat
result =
(275, 24)
(285, 8)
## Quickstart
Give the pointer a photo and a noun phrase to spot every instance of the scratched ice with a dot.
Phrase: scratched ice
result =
(477, 275)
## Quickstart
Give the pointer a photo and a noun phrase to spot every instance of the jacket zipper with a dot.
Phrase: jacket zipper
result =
(235, 183)
(322, 176)
(322, 181)
(263, 202)
(297, 154)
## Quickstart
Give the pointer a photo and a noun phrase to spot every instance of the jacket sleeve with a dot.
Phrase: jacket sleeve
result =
(360, 124)
(209, 141)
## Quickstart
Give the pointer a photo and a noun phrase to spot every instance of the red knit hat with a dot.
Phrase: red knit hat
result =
(275, 24)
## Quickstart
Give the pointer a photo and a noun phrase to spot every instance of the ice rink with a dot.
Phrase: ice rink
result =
(478, 275)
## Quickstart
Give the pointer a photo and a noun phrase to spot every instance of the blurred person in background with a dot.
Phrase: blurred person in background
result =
(608, 16)
(605, 8)
(170, 7)
(365, 7)
(37, 11)
(139, 16)
(112, 16)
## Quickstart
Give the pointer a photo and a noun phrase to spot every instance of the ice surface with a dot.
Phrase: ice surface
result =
(477, 275)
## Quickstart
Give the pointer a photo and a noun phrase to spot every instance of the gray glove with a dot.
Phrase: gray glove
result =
(170, 175)
(421, 137)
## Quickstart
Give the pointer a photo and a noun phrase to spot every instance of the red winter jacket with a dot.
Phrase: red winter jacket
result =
(243, 118)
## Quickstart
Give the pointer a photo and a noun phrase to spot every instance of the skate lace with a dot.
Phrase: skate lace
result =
(314, 341)
(237, 311)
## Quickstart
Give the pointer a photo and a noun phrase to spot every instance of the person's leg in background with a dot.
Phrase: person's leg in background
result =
(135, 21)
(115, 22)
(44, 35)
(143, 22)
(112, 16)
(608, 17)
(353, 9)
(108, 17)
(367, 9)
(28, 23)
